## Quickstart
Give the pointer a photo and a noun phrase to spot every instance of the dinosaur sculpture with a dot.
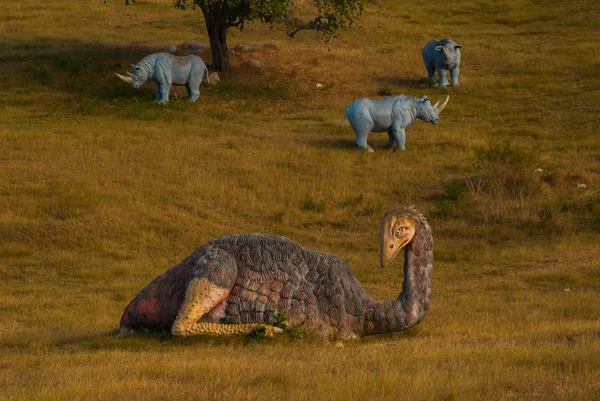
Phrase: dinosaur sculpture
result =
(167, 70)
(442, 55)
(238, 283)
(392, 114)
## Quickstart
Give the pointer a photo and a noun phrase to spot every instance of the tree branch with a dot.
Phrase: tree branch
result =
(292, 29)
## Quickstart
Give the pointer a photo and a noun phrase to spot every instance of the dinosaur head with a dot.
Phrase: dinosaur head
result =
(398, 228)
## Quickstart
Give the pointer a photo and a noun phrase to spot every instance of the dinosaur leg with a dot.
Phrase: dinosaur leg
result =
(200, 298)
(205, 296)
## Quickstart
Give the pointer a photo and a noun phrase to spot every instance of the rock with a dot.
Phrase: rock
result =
(538, 170)
(254, 63)
(171, 48)
(567, 290)
(243, 48)
(271, 44)
(319, 86)
(194, 46)
(213, 79)
(581, 185)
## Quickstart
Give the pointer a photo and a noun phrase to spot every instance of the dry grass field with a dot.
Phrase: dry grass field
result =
(101, 190)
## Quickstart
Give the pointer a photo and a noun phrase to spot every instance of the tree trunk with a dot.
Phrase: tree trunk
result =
(216, 25)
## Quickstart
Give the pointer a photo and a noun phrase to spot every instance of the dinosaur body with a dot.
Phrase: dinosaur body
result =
(235, 283)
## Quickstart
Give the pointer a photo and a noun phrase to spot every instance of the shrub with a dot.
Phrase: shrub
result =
(504, 185)
(385, 91)
(454, 189)
(308, 203)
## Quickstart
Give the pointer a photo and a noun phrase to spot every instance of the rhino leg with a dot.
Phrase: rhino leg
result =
(399, 135)
(362, 128)
(454, 75)
(157, 98)
(162, 92)
(430, 75)
(193, 92)
(391, 139)
(361, 141)
(442, 75)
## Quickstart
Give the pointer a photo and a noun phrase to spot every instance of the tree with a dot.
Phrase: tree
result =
(220, 15)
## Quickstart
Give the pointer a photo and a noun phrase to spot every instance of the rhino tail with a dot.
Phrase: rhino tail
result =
(343, 118)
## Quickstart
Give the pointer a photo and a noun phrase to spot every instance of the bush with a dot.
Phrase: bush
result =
(505, 185)
(385, 91)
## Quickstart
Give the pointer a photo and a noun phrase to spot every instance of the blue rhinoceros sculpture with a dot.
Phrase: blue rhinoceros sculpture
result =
(167, 70)
(442, 55)
(391, 114)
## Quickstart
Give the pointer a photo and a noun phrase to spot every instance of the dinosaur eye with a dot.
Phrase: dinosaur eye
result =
(398, 233)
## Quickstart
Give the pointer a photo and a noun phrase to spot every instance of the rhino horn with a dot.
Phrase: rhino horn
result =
(123, 78)
(128, 73)
(441, 107)
(435, 106)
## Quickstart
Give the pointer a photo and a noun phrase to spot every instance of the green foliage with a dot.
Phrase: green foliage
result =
(442, 210)
(240, 11)
(332, 15)
(309, 203)
(259, 333)
(281, 320)
(352, 200)
(91, 105)
(373, 207)
(455, 189)
(41, 73)
(385, 91)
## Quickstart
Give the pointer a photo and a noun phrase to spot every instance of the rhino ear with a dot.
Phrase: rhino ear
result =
(424, 99)
(439, 48)
(458, 47)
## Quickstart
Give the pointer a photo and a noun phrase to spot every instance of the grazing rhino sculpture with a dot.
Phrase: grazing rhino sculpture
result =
(167, 70)
(391, 114)
(442, 55)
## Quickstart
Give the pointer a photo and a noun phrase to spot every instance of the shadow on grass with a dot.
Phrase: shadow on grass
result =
(403, 82)
(147, 341)
(79, 77)
(378, 144)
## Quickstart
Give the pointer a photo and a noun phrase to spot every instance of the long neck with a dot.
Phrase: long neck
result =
(412, 303)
